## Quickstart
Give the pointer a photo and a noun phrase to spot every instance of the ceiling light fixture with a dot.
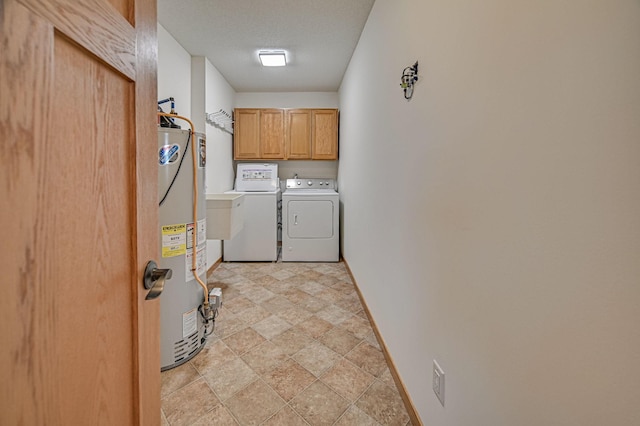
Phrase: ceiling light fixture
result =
(272, 58)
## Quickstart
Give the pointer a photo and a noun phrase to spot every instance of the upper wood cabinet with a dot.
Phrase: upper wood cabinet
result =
(258, 134)
(298, 134)
(246, 134)
(272, 133)
(324, 134)
(293, 134)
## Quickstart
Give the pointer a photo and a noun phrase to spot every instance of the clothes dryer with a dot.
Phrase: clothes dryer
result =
(310, 221)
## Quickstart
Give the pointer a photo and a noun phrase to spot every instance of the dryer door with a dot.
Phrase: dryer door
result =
(310, 219)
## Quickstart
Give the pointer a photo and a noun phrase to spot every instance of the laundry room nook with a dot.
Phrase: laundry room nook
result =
(291, 327)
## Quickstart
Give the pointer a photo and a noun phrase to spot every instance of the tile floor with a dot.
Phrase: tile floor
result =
(292, 346)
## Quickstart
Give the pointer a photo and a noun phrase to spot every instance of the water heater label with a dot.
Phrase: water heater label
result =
(189, 323)
(168, 154)
(201, 262)
(201, 233)
(174, 240)
(202, 150)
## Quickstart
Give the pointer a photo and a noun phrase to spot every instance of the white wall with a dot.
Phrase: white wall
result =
(211, 93)
(220, 169)
(287, 169)
(198, 87)
(174, 73)
(510, 249)
(287, 100)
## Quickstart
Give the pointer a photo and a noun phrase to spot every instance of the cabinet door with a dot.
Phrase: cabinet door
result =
(324, 143)
(298, 134)
(246, 134)
(272, 133)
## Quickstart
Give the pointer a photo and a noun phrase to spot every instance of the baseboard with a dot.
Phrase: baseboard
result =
(408, 403)
(214, 267)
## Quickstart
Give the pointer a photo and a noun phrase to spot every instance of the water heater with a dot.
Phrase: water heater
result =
(182, 327)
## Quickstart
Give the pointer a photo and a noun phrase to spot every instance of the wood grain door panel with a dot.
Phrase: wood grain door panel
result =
(90, 251)
(77, 111)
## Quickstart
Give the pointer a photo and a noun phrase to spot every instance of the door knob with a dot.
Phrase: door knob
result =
(154, 279)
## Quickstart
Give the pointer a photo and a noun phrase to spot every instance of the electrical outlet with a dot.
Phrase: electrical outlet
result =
(438, 382)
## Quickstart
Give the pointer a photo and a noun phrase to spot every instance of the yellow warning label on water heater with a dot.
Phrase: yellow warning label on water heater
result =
(174, 240)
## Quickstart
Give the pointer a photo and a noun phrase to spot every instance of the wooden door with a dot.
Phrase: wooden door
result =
(78, 194)
(272, 133)
(298, 134)
(324, 142)
(246, 134)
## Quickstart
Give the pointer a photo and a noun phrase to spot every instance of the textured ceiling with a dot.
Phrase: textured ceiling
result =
(318, 35)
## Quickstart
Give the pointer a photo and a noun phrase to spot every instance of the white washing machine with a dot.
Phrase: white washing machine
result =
(258, 239)
(310, 221)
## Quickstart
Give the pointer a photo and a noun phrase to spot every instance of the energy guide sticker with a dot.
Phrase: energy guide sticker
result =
(174, 240)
